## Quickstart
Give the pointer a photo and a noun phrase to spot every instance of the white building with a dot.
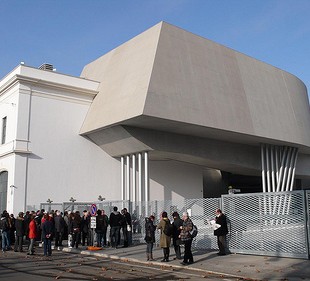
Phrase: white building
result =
(166, 115)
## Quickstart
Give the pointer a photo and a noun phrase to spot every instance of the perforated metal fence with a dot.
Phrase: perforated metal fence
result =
(81, 206)
(200, 210)
(275, 224)
(267, 223)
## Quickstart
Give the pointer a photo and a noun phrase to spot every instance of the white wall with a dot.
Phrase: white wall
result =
(170, 180)
(9, 109)
(62, 163)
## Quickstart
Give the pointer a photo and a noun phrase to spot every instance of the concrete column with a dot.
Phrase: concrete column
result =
(127, 178)
(146, 182)
(122, 178)
(133, 165)
(140, 182)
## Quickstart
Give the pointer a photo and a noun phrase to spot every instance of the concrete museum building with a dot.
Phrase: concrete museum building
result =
(166, 115)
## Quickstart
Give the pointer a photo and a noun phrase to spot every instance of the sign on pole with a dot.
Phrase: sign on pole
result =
(93, 210)
(93, 222)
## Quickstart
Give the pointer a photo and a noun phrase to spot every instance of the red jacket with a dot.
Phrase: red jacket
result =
(32, 230)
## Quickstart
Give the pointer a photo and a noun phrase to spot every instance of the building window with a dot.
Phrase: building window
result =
(3, 190)
(3, 130)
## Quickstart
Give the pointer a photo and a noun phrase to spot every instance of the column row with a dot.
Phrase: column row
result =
(135, 178)
(278, 167)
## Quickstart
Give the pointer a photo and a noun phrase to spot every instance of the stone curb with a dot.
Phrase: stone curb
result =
(125, 259)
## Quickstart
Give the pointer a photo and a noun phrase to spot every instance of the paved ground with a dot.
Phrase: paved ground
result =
(207, 265)
(237, 265)
(63, 265)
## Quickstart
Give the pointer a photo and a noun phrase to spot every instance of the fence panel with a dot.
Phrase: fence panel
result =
(267, 223)
(275, 224)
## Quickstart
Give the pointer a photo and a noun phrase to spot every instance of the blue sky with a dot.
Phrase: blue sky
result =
(71, 33)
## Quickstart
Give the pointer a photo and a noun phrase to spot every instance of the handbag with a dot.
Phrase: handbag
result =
(128, 227)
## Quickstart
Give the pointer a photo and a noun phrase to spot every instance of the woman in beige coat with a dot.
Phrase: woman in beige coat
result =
(165, 240)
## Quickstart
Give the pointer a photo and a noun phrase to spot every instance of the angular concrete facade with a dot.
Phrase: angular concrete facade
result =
(167, 115)
(185, 98)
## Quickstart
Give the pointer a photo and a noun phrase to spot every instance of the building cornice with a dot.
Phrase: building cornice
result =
(41, 78)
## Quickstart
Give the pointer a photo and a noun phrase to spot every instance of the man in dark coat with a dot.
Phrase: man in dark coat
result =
(59, 229)
(176, 240)
(85, 228)
(5, 230)
(221, 231)
(101, 228)
(115, 223)
(47, 232)
(126, 227)
(20, 227)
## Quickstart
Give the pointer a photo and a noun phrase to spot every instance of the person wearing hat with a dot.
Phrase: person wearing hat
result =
(176, 240)
(20, 227)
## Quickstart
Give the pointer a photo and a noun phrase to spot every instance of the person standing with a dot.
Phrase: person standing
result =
(187, 239)
(126, 227)
(165, 239)
(20, 232)
(85, 228)
(32, 234)
(149, 237)
(47, 232)
(115, 223)
(5, 231)
(101, 228)
(75, 229)
(221, 232)
(59, 229)
(176, 240)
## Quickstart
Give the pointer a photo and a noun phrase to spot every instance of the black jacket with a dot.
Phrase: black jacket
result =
(20, 226)
(47, 228)
(115, 219)
(59, 224)
(85, 224)
(149, 231)
(177, 222)
(101, 223)
(223, 230)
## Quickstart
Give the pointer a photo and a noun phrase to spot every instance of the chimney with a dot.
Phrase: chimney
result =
(46, 66)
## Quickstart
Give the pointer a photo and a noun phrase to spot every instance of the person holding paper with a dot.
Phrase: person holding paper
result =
(221, 231)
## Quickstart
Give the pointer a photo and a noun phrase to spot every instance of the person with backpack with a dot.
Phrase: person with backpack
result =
(165, 235)
(5, 230)
(187, 239)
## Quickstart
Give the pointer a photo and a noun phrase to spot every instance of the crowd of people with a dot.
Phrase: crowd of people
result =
(76, 229)
(181, 234)
(72, 226)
